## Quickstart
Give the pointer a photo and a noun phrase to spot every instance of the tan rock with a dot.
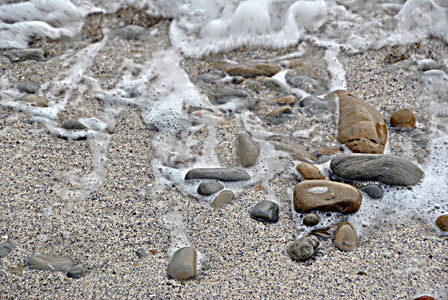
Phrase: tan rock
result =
(290, 100)
(329, 150)
(224, 198)
(278, 111)
(309, 172)
(345, 237)
(253, 70)
(322, 195)
(403, 118)
(35, 100)
(361, 127)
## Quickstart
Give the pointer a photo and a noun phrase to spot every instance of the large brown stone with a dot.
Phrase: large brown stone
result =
(361, 127)
(322, 195)
(403, 118)
(249, 70)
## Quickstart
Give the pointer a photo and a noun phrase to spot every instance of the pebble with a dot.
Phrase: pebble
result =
(249, 70)
(322, 195)
(76, 272)
(345, 237)
(35, 100)
(209, 187)
(247, 149)
(25, 54)
(311, 219)
(265, 211)
(374, 191)
(420, 138)
(50, 262)
(403, 118)
(323, 233)
(361, 126)
(296, 152)
(309, 85)
(212, 77)
(309, 172)
(303, 248)
(223, 174)
(279, 111)
(73, 125)
(6, 248)
(388, 169)
(442, 222)
(130, 32)
(313, 105)
(224, 198)
(141, 253)
(183, 264)
(425, 298)
(28, 87)
(289, 100)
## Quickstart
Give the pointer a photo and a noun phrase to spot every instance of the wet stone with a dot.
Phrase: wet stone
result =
(374, 191)
(248, 70)
(313, 105)
(311, 219)
(224, 198)
(403, 118)
(442, 222)
(73, 125)
(425, 298)
(303, 248)
(223, 174)
(76, 272)
(309, 172)
(279, 111)
(420, 138)
(34, 100)
(209, 187)
(247, 149)
(28, 87)
(388, 169)
(289, 100)
(212, 77)
(50, 262)
(141, 253)
(130, 32)
(183, 264)
(323, 233)
(296, 151)
(361, 126)
(265, 211)
(309, 85)
(345, 237)
(322, 195)
(26, 54)
(6, 248)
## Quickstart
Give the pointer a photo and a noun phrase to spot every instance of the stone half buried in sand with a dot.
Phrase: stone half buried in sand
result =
(183, 265)
(50, 262)
(345, 237)
(322, 195)
(253, 70)
(388, 169)
(361, 127)
(224, 174)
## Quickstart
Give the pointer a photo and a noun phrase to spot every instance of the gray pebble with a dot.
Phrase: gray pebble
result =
(28, 87)
(208, 187)
(50, 262)
(6, 248)
(374, 191)
(224, 198)
(73, 125)
(247, 149)
(141, 253)
(76, 272)
(265, 211)
(183, 265)
(224, 174)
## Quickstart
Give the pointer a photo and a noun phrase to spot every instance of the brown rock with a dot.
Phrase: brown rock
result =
(345, 237)
(253, 70)
(296, 151)
(325, 195)
(403, 118)
(329, 150)
(290, 100)
(35, 100)
(309, 172)
(278, 111)
(442, 222)
(361, 127)
(425, 298)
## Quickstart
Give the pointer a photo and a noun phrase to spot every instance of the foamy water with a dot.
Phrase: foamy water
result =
(201, 27)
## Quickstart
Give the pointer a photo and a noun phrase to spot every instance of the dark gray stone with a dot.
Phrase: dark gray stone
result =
(303, 248)
(209, 187)
(247, 149)
(6, 248)
(311, 219)
(275, 85)
(388, 169)
(374, 191)
(73, 125)
(26, 54)
(141, 253)
(223, 174)
(212, 77)
(76, 272)
(183, 264)
(265, 211)
(314, 105)
(50, 262)
(28, 87)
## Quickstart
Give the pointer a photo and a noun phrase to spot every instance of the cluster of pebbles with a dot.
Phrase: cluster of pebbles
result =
(101, 235)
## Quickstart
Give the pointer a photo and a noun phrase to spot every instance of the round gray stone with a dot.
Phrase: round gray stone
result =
(374, 191)
(224, 198)
(6, 248)
(265, 211)
(28, 87)
(209, 187)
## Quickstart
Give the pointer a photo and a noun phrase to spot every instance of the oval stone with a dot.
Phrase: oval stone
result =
(183, 265)
(442, 222)
(322, 195)
(50, 262)
(35, 100)
(247, 149)
(374, 191)
(309, 172)
(208, 187)
(345, 237)
(311, 219)
(303, 248)
(224, 198)
(403, 118)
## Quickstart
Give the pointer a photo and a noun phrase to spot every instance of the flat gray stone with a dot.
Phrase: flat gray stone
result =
(183, 264)
(420, 138)
(50, 262)
(374, 191)
(130, 32)
(304, 83)
(388, 169)
(265, 211)
(73, 125)
(28, 87)
(76, 272)
(247, 149)
(224, 198)
(303, 248)
(223, 174)
(209, 187)
(6, 248)
(313, 105)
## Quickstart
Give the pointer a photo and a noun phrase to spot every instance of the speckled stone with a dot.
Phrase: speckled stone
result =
(50, 262)
(309, 172)
(34, 100)
(209, 187)
(6, 248)
(322, 195)
(374, 191)
(253, 70)
(265, 211)
(247, 149)
(223, 199)
(403, 118)
(223, 174)
(345, 237)
(311, 219)
(303, 248)
(442, 222)
(183, 264)
(76, 272)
